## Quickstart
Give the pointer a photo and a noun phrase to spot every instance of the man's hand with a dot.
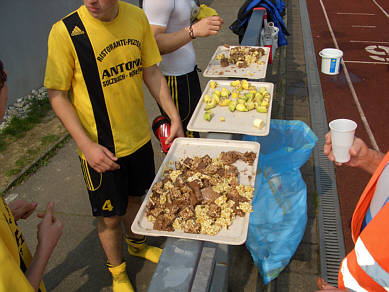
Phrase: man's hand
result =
(100, 158)
(49, 230)
(207, 26)
(157, 85)
(22, 209)
(358, 152)
(176, 131)
(360, 155)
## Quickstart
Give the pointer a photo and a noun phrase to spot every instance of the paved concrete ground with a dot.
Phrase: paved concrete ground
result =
(78, 261)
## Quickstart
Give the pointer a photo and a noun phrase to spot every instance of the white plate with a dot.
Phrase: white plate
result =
(235, 122)
(184, 147)
(254, 71)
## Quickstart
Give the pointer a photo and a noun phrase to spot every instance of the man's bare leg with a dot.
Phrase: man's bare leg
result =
(137, 243)
(133, 206)
(110, 234)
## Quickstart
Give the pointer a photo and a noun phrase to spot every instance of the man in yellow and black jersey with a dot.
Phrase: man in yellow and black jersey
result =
(19, 271)
(101, 53)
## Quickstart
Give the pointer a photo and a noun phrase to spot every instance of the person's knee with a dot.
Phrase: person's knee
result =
(109, 222)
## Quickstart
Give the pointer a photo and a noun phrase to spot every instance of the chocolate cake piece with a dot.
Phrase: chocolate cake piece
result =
(209, 195)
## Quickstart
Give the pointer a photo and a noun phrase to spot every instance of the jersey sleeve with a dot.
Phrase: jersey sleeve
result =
(60, 59)
(158, 12)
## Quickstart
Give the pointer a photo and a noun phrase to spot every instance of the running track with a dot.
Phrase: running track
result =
(361, 90)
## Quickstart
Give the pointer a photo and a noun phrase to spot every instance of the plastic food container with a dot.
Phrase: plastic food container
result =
(253, 71)
(234, 122)
(236, 234)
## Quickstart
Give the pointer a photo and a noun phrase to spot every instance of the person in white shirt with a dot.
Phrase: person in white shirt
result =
(174, 31)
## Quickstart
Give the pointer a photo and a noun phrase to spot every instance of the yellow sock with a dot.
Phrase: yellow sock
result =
(121, 283)
(139, 248)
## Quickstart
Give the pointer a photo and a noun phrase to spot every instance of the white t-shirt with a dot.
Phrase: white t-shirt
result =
(174, 15)
(380, 197)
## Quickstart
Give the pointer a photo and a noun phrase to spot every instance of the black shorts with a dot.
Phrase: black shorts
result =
(109, 191)
(186, 92)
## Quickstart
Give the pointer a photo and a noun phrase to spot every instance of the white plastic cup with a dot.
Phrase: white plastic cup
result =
(330, 61)
(342, 136)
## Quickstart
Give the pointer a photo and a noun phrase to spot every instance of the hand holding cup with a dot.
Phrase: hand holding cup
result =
(342, 137)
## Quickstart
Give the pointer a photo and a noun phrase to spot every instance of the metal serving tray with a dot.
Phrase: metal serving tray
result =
(254, 71)
(183, 147)
(235, 122)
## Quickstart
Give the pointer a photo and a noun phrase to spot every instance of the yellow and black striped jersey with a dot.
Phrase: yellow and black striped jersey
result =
(106, 85)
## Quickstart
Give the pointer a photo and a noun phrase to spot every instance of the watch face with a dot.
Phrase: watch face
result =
(195, 8)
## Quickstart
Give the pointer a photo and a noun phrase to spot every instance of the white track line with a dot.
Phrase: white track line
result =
(364, 26)
(364, 62)
(354, 94)
(380, 8)
(370, 42)
(355, 13)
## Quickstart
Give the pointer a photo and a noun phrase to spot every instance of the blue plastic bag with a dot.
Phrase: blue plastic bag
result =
(279, 216)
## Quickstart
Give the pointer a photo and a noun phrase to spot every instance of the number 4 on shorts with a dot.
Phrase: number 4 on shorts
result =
(107, 206)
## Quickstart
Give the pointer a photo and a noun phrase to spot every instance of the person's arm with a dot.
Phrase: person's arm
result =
(98, 157)
(360, 155)
(49, 232)
(169, 42)
(157, 85)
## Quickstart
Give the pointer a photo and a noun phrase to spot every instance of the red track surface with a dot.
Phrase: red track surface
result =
(357, 27)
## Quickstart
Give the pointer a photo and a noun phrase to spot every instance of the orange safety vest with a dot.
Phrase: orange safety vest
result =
(366, 267)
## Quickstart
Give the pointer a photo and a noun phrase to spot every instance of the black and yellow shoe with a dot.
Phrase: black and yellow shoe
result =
(139, 248)
(120, 283)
